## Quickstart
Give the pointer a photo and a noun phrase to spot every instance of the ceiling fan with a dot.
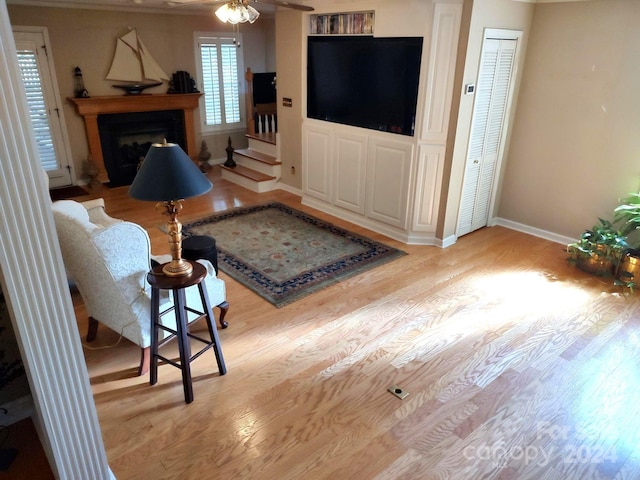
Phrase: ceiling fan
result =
(241, 11)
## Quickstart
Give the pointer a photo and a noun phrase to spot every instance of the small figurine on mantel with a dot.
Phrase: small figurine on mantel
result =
(230, 161)
(78, 84)
(204, 157)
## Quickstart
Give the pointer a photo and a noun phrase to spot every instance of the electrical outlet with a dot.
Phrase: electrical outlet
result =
(398, 392)
(293, 170)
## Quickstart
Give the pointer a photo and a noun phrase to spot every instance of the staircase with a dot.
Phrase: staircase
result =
(257, 167)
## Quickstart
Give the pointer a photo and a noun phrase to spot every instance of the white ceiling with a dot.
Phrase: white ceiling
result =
(163, 6)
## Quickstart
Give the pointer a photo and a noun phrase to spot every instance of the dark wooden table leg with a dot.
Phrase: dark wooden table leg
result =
(213, 331)
(155, 319)
(183, 343)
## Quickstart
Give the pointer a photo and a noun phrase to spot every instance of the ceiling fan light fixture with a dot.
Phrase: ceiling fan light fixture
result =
(237, 12)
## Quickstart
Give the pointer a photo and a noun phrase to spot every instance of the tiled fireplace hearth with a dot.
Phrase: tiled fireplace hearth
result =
(106, 118)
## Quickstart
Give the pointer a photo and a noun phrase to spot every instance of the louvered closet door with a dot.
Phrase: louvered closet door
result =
(44, 110)
(487, 128)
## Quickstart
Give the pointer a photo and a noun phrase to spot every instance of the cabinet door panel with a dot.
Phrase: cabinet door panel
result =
(428, 187)
(388, 180)
(350, 171)
(317, 168)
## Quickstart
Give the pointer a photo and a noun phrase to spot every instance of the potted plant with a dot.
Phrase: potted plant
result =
(600, 249)
(627, 214)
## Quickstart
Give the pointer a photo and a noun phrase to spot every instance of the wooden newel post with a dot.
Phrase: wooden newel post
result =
(251, 122)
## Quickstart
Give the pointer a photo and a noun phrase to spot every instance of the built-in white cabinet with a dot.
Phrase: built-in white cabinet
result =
(391, 183)
(366, 174)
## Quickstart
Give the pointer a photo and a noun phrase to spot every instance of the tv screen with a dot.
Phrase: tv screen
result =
(369, 82)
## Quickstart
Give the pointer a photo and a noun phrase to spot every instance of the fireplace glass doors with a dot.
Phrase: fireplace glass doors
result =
(126, 138)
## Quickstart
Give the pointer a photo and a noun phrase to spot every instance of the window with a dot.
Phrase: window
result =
(220, 68)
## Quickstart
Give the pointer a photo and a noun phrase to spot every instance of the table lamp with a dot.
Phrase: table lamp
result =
(168, 176)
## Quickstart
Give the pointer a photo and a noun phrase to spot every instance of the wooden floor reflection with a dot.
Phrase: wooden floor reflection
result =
(518, 366)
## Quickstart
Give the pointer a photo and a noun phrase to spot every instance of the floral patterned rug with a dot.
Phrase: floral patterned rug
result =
(283, 254)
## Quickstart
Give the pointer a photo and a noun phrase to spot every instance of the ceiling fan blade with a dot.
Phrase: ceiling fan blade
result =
(283, 3)
(176, 3)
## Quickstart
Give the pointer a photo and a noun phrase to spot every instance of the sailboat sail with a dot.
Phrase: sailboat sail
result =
(132, 61)
(150, 67)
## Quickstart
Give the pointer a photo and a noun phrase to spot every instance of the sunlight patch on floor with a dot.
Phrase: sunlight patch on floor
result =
(607, 411)
(531, 290)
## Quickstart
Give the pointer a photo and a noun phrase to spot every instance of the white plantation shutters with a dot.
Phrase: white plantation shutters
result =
(489, 112)
(211, 84)
(28, 64)
(230, 83)
(220, 73)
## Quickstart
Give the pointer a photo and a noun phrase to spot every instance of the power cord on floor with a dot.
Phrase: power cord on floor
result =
(104, 347)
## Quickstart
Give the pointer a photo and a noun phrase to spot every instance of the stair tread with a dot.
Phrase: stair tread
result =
(249, 173)
(268, 137)
(259, 156)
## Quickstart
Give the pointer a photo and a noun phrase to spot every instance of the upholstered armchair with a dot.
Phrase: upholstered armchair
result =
(108, 259)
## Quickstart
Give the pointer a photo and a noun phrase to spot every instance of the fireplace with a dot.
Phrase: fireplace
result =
(95, 109)
(126, 137)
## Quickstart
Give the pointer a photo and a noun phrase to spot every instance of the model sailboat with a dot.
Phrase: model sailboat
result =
(132, 63)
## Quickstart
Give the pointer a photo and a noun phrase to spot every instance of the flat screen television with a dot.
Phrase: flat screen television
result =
(369, 82)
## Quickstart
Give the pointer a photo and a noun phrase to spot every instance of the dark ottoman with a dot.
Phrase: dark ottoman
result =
(200, 246)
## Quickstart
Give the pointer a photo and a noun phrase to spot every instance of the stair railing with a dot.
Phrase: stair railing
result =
(261, 118)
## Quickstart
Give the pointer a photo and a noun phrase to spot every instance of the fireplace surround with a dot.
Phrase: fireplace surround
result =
(93, 107)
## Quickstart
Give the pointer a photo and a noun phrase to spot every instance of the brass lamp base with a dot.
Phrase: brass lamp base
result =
(177, 268)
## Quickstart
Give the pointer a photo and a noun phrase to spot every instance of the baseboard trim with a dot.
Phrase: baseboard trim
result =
(536, 232)
(288, 188)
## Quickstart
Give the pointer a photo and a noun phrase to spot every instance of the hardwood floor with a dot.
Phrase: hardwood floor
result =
(517, 365)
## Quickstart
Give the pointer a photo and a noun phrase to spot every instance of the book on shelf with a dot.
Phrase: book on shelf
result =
(359, 23)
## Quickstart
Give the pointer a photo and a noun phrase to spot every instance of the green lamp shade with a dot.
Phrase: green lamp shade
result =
(167, 173)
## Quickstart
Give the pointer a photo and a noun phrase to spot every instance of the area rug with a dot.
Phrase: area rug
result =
(283, 254)
(64, 193)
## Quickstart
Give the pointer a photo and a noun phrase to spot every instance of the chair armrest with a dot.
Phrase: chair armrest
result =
(161, 259)
(96, 202)
(97, 214)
